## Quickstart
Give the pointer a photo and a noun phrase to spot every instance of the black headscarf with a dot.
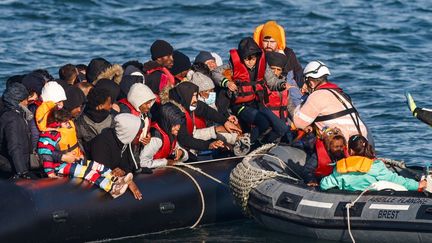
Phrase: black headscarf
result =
(169, 116)
(112, 87)
(183, 93)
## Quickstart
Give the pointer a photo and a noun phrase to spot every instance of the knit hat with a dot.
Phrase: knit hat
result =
(275, 31)
(160, 48)
(181, 63)
(276, 59)
(203, 56)
(75, 98)
(126, 127)
(202, 81)
(139, 94)
(52, 91)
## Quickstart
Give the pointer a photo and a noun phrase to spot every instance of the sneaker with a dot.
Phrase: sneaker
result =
(118, 189)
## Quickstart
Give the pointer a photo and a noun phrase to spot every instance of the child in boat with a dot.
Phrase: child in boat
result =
(94, 172)
(361, 169)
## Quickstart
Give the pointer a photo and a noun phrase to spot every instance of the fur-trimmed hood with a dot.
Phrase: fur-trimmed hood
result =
(115, 73)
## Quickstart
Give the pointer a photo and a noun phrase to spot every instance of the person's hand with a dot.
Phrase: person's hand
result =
(216, 144)
(52, 175)
(145, 140)
(135, 190)
(69, 157)
(232, 86)
(233, 119)
(304, 89)
(220, 129)
(422, 184)
(178, 154)
(312, 184)
(231, 127)
(117, 172)
(171, 162)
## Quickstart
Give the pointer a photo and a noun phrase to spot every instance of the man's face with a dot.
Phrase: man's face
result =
(211, 64)
(76, 112)
(250, 61)
(175, 129)
(166, 61)
(194, 99)
(269, 44)
(105, 106)
(276, 70)
(145, 107)
(337, 149)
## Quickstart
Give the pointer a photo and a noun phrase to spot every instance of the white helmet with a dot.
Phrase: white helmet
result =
(315, 69)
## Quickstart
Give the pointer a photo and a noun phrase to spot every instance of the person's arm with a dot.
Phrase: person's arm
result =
(15, 135)
(185, 155)
(205, 133)
(218, 76)
(329, 182)
(383, 174)
(209, 114)
(148, 152)
(46, 146)
(305, 115)
(189, 142)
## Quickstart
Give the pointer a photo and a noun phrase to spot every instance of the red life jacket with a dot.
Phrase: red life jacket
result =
(194, 121)
(329, 85)
(125, 102)
(324, 167)
(167, 146)
(166, 77)
(278, 102)
(247, 91)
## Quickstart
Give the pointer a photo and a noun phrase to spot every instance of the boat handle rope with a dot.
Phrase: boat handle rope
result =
(348, 206)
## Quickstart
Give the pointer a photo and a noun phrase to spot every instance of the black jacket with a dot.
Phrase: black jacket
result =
(15, 139)
(294, 66)
(106, 149)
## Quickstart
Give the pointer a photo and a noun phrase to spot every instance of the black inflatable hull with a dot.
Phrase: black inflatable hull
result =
(53, 210)
(289, 206)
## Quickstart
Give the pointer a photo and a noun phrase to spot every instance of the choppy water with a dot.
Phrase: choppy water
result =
(376, 50)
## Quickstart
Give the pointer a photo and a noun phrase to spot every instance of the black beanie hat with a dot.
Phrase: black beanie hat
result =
(181, 63)
(75, 98)
(276, 59)
(160, 48)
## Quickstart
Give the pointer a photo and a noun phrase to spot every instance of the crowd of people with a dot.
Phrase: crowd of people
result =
(105, 122)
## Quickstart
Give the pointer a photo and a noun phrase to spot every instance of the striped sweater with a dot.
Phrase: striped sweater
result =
(46, 146)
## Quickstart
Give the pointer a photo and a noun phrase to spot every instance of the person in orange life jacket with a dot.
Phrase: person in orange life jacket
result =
(271, 37)
(184, 95)
(207, 59)
(181, 67)
(251, 76)
(361, 169)
(139, 101)
(114, 147)
(335, 146)
(207, 95)
(163, 148)
(93, 172)
(96, 116)
(157, 74)
(114, 89)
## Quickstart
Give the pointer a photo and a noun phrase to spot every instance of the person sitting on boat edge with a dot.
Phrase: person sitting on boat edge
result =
(116, 147)
(362, 168)
(423, 114)
(93, 172)
(163, 148)
(335, 149)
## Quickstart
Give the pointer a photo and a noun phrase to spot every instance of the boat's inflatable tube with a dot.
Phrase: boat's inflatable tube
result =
(287, 205)
(57, 210)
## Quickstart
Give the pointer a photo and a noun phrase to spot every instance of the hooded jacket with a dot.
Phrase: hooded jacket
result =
(99, 68)
(182, 96)
(113, 146)
(15, 135)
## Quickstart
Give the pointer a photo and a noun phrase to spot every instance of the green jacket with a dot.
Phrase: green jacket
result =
(356, 181)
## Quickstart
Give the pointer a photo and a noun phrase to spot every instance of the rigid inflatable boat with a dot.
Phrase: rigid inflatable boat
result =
(267, 185)
(72, 210)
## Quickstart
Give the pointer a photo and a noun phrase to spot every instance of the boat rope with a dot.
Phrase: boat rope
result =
(348, 206)
(245, 177)
(201, 172)
(199, 190)
(392, 162)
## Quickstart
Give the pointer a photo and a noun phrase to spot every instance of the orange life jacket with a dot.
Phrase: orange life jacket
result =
(354, 164)
(167, 146)
(248, 90)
